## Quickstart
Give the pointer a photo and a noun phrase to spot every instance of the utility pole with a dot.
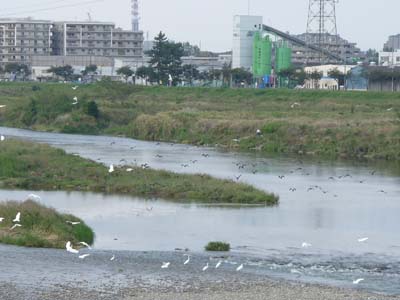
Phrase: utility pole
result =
(135, 15)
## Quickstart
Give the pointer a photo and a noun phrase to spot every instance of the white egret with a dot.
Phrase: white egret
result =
(70, 249)
(2, 106)
(34, 197)
(111, 169)
(362, 240)
(73, 223)
(239, 268)
(294, 105)
(15, 226)
(1, 220)
(86, 245)
(75, 100)
(205, 267)
(84, 256)
(112, 258)
(74, 87)
(129, 170)
(188, 260)
(17, 218)
(2, 138)
(218, 264)
(357, 281)
(165, 265)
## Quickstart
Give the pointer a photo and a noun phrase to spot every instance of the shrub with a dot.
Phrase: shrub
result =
(218, 246)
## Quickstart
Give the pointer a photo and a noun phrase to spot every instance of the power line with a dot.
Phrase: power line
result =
(50, 8)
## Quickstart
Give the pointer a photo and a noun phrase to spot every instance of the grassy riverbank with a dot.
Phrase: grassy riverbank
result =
(327, 124)
(39, 167)
(41, 227)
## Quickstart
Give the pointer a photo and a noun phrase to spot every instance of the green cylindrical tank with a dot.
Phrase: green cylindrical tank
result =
(266, 54)
(283, 58)
(262, 51)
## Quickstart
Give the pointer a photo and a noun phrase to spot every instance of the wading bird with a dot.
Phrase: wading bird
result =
(74, 87)
(75, 100)
(70, 249)
(239, 268)
(111, 169)
(34, 197)
(2, 138)
(112, 258)
(165, 265)
(205, 267)
(188, 260)
(84, 256)
(362, 240)
(218, 264)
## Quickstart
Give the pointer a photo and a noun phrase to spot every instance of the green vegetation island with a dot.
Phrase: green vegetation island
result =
(40, 226)
(31, 166)
(323, 124)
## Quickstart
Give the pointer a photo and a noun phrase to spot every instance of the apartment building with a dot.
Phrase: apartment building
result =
(20, 39)
(95, 39)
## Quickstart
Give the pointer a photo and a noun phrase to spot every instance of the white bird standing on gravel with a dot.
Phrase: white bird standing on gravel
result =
(188, 260)
(86, 245)
(358, 281)
(17, 218)
(84, 256)
(165, 265)
(112, 258)
(70, 249)
(205, 267)
(111, 169)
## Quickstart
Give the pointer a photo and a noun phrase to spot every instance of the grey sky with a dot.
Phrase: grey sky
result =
(367, 22)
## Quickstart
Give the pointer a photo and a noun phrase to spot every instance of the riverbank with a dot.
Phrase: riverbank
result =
(40, 227)
(329, 124)
(138, 275)
(33, 166)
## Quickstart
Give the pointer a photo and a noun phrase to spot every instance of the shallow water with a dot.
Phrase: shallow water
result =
(327, 209)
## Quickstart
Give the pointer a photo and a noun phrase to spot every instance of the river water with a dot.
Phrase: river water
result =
(328, 205)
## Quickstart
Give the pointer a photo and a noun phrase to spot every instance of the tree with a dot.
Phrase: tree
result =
(90, 70)
(190, 73)
(286, 74)
(66, 72)
(126, 72)
(226, 74)
(92, 109)
(19, 70)
(146, 73)
(338, 76)
(165, 59)
(240, 76)
(315, 76)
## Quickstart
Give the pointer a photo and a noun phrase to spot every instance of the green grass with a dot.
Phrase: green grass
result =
(331, 124)
(42, 227)
(218, 247)
(33, 166)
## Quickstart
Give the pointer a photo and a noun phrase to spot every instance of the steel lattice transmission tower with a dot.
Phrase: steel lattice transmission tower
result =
(321, 24)
(135, 15)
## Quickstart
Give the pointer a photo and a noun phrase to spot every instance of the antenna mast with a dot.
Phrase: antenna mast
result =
(135, 15)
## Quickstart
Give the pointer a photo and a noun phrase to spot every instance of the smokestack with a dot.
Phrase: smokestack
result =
(135, 15)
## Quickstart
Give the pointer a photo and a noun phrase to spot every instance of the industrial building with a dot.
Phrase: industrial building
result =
(21, 39)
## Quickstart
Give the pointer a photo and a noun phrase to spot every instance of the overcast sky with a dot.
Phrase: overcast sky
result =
(366, 22)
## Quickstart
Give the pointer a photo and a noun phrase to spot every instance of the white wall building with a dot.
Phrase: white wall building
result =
(389, 58)
(243, 32)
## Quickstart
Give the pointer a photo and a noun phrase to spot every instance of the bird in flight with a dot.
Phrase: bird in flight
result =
(73, 223)
(357, 281)
(69, 248)
(112, 258)
(74, 87)
(15, 226)
(17, 218)
(86, 245)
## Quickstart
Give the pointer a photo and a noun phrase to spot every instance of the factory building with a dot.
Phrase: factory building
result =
(20, 39)
(244, 28)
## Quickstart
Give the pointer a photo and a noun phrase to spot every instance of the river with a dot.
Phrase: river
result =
(328, 205)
